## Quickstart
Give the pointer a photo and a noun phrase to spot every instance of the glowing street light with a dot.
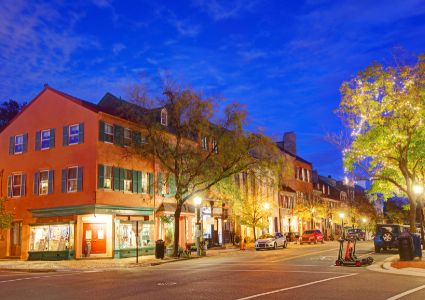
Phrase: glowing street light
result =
(266, 205)
(418, 189)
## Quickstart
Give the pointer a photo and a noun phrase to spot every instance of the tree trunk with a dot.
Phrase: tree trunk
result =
(177, 229)
(412, 201)
(255, 234)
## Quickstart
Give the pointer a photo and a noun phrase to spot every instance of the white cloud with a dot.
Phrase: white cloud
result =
(220, 10)
(117, 48)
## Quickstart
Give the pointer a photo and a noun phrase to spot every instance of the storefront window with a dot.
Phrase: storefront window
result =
(127, 235)
(55, 237)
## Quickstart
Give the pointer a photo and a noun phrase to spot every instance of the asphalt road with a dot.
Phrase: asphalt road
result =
(299, 272)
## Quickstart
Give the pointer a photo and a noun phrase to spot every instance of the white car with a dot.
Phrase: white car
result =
(269, 241)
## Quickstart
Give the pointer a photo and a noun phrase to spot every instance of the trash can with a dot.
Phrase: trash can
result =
(417, 252)
(405, 247)
(159, 249)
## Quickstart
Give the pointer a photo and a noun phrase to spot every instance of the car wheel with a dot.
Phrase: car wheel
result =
(387, 237)
(377, 249)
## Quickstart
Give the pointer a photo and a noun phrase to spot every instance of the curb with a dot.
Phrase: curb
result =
(386, 267)
(30, 270)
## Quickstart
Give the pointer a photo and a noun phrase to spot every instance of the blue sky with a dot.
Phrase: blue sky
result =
(284, 60)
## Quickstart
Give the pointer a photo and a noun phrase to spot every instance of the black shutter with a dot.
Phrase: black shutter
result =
(118, 135)
(101, 131)
(81, 133)
(37, 140)
(36, 182)
(12, 145)
(52, 138)
(51, 176)
(100, 176)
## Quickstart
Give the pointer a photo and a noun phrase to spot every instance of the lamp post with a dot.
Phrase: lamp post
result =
(419, 190)
(198, 201)
(342, 215)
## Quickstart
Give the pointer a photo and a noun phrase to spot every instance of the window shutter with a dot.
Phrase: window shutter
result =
(51, 176)
(151, 184)
(52, 137)
(159, 184)
(101, 131)
(9, 186)
(37, 140)
(12, 145)
(100, 176)
(23, 182)
(64, 179)
(119, 135)
(25, 138)
(36, 182)
(80, 179)
(81, 133)
(171, 185)
(135, 181)
(139, 182)
(65, 133)
(137, 138)
(122, 171)
(116, 179)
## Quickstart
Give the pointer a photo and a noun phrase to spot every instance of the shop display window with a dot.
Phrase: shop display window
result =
(127, 235)
(54, 237)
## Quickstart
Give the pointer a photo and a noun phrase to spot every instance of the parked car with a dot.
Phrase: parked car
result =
(386, 236)
(270, 241)
(312, 236)
(356, 233)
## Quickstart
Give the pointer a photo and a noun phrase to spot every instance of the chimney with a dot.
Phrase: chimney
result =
(290, 142)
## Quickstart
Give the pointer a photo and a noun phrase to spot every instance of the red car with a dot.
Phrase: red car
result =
(312, 236)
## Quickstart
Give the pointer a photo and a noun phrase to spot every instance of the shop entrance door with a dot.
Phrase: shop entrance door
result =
(96, 233)
(15, 239)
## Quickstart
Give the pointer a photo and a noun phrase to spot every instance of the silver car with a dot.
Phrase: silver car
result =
(270, 241)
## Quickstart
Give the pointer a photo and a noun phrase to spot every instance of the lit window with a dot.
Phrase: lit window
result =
(45, 139)
(44, 183)
(127, 137)
(164, 117)
(109, 133)
(19, 144)
(205, 143)
(16, 185)
(107, 184)
(128, 181)
(145, 181)
(74, 131)
(72, 179)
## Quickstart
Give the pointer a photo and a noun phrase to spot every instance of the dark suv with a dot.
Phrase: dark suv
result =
(387, 235)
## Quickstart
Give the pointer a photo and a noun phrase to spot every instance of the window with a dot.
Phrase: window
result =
(127, 137)
(164, 117)
(19, 144)
(128, 181)
(44, 183)
(215, 146)
(54, 237)
(45, 139)
(17, 185)
(204, 143)
(72, 179)
(145, 182)
(109, 133)
(74, 131)
(107, 183)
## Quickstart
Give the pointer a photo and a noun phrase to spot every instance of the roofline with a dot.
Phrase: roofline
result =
(45, 88)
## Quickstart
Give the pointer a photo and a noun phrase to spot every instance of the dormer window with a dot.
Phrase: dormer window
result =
(164, 117)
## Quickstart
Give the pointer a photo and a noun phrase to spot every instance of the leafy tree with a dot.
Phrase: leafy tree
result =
(8, 110)
(395, 211)
(384, 110)
(6, 217)
(178, 147)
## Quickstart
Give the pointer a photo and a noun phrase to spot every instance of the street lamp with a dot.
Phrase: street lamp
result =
(266, 205)
(198, 200)
(419, 190)
(342, 216)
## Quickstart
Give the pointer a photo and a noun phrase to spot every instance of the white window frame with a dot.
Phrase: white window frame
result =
(74, 134)
(41, 139)
(16, 144)
(13, 185)
(68, 180)
(204, 143)
(129, 139)
(164, 117)
(128, 183)
(108, 133)
(105, 178)
(40, 182)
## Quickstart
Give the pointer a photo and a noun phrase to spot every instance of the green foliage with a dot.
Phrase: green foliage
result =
(384, 109)
(6, 217)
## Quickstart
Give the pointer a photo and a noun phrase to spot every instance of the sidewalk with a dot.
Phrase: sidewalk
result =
(98, 264)
(393, 265)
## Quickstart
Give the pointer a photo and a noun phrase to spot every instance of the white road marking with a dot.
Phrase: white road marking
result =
(38, 277)
(407, 293)
(245, 270)
(303, 255)
(296, 287)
